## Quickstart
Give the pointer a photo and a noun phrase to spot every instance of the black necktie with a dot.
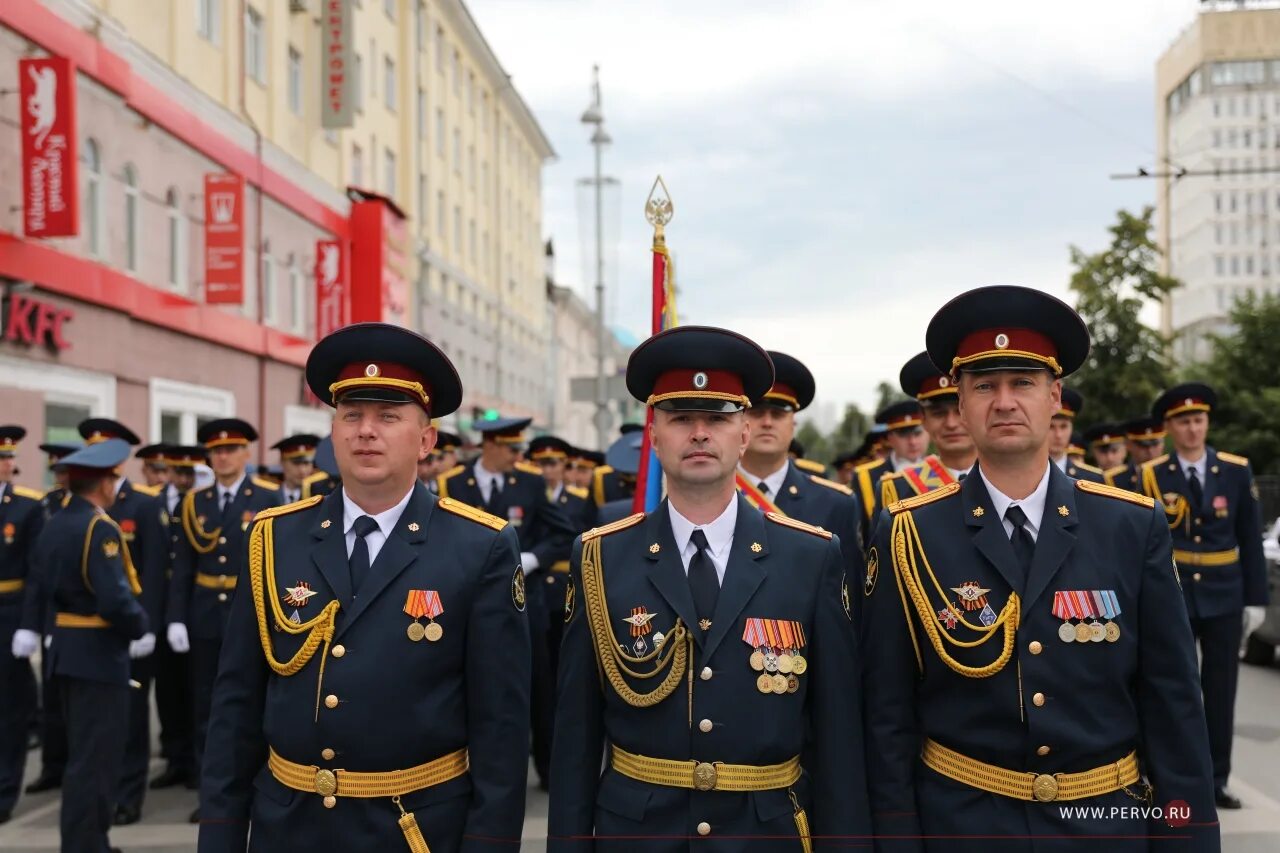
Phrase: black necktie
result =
(703, 582)
(226, 503)
(359, 559)
(1023, 545)
(764, 487)
(1197, 493)
(495, 493)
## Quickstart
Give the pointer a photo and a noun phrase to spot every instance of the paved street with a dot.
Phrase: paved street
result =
(1255, 829)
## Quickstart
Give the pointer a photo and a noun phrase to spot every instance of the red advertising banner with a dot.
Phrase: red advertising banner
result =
(223, 239)
(332, 293)
(379, 262)
(50, 191)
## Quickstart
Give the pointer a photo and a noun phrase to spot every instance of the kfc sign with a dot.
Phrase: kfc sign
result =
(47, 94)
(223, 239)
(31, 322)
(331, 287)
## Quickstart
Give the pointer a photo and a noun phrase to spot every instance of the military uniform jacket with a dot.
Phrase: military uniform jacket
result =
(911, 481)
(543, 528)
(1083, 471)
(1127, 476)
(82, 555)
(1214, 581)
(1037, 704)
(20, 522)
(714, 711)
(209, 555)
(606, 485)
(866, 482)
(395, 703)
(143, 518)
(52, 501)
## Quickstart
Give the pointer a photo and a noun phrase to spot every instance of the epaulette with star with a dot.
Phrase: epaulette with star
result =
(470, 513)
(1233, 459)
(296, 506)
(614, 527)
(787, 521)
(927, 498)
(1113, 492)
(578, 492)
(150, 491)
(528, 468)
(24, 492)
(265, 484)
(832, 484)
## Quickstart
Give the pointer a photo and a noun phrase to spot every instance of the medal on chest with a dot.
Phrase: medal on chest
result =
(419, 603)
(776, 645)
(1088, 605)
(640, 621)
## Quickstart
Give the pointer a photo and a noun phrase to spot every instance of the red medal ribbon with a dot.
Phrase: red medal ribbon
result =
(753, 633)
(415, 603)
(433, 606)
(754, 495)
(771, 631)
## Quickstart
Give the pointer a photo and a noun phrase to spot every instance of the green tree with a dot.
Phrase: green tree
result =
(848, 435)
(886, 393)
(816, 445)
(1243, 372)
(1126, 368)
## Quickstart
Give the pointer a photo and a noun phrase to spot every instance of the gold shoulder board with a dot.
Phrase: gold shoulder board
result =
(1232, 458)
(471, 513)
(528, 468)
(265, 484)
(1159, 460)
(1113, 492)
(597, 483)
(1087, 467)
(453, 472)
(867, 466)
(23, 491)
(620, 524)
(832, 484)
(928, 497)
(787, 521)
(272, 512)
(810, 465)
(150, 491)
(1116, 471)
(577, 492)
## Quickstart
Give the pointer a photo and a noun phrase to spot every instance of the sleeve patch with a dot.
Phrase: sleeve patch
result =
(844, 596)
(570, 600)
(873, 571)
(110, 548)
(517, 589)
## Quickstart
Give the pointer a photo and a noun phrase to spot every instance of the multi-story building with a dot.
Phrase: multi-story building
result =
(169, 91)
(1218, 118)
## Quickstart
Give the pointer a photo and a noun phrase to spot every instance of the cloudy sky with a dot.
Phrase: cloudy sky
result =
(840, 169)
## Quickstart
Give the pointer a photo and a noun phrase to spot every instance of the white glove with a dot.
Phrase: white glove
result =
(177, 636)
(25, 643)
(1254, 616)
(48, 640)
(528, 562)
(143, 646)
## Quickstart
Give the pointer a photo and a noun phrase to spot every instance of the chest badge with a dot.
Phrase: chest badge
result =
(972, 597)
(9, 531)
(640, 621)
(776, 646)
(298, 595)
(419, 603)
(1090, 605)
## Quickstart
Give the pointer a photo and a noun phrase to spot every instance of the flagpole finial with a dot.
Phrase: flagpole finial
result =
(658, 210)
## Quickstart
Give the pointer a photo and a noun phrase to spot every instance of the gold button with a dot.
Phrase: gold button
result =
(339, 651)
(330, 802)
(222, 596)
(705, 675)
(704, 828)
(327, 754)
(704, 726)
(222, 558)
(1044, 750)
(1037, 700)
(1196, 576)
(1195, 539)
(1035, 647)
(1197, 521)
(331, 701)
(222, 540)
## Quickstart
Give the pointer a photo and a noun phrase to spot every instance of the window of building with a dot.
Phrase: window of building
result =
(389, 8)
(422, 113)
(457, 151)
(255, 45)
(420, 26)
(441, 204)
(471, 93)
(389, 86)
(179, 408)
(358, 88)
(93, 196)
(1236, 73)
(439, 132)
(295, 81)
(269, 293)
(422, 200)
(177, 239)
(1248, 264)
(471, 166)
(130, 218)
(357, 165)
(1235, 266)
(440, 49)
(457, 228)
(209, 20)
(389, 173)
(297, 299)
(456, 72)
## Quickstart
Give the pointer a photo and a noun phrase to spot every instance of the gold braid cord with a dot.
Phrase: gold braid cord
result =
(319, 630)
(1177, 513)
(672, 655)
(130, 573)
(191, 526)
(906, 547)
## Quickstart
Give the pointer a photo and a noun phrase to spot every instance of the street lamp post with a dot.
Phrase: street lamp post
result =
(594, 116)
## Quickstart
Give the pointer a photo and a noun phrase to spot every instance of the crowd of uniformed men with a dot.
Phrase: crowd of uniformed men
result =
(363, 646)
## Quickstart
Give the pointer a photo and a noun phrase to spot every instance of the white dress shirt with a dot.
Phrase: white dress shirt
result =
(719, 535)
(774, 481)
(172, 498)
(229, 490)
(1198, 466)
(1032, 505)
(899, 463)
(289, 495)
(1061, 462)
(487, 480)
(374, 540)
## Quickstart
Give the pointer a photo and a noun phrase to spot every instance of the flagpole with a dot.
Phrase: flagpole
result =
(658, 211)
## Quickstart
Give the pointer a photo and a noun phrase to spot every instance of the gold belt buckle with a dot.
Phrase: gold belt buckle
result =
(1045, 788)
(326, 783)
(704, 776)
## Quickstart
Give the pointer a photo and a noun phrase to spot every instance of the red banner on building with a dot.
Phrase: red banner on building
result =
(379, 261)
(332, 295)
(50, 192)
(223, 239)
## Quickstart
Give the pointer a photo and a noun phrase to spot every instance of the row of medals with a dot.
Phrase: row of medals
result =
(430, 632)
(778, 671)
(1088, 632)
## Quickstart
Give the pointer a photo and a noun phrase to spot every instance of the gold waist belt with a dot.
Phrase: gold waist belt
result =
(560, 568)
(1021, 785)
(215, 581)
(18, 584)
(1207, 558)
(706, 776)
(78, 620)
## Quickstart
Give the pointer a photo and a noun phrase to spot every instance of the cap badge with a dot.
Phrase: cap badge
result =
(1002, 341)
(700, 380)
(943, 382)
(222, 434)
(1188, 402)
(371, 370)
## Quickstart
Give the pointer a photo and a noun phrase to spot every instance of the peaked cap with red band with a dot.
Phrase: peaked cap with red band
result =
(226, 432)
(793, 384)
(1072, 404)
(94, 430)
(921, 380)
(380, 362)
(699, 369)
(1184, 398)
(1005, 327)
(904, 414)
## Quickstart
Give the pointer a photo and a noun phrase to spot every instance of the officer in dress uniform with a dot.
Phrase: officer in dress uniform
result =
(773, 482)
(173, 676)
(1144, 441)
(143, 523)
(622, 459)
(609, 484)
(1107, 444)
(374, 687)
(578, 468)
(1076, 447)
(209, 558)
(843, 465)
(20, 521)
(1211, 505)
(809, 466)
(297, 463)
(499, 483)
(1061, 437)
(155, 467)
(1028, 649)
(940, 411)
(705, 642)
(99, 621)
(325, 478)
(907, 442)
(53, 729)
